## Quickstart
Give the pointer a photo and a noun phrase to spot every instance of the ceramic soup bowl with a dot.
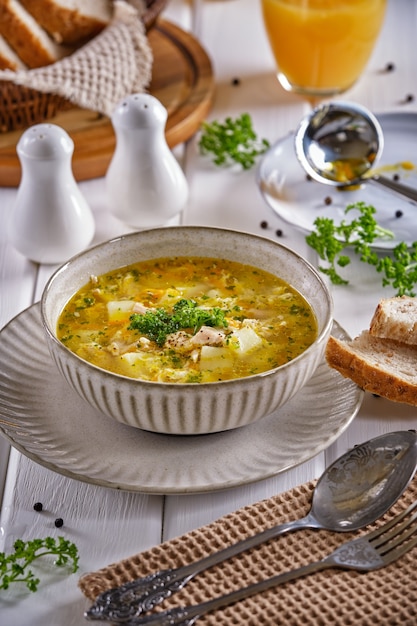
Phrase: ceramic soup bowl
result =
(187, 408)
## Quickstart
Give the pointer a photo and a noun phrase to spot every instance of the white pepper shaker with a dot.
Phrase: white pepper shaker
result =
(145, 184)
(51, 220)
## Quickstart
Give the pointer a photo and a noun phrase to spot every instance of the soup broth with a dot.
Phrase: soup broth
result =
(187, 320)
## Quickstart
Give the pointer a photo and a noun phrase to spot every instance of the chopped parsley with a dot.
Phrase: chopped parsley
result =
(232, 141)
(158, 324)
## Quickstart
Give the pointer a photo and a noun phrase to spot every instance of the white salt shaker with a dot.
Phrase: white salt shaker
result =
(146, 186)
(51, 220)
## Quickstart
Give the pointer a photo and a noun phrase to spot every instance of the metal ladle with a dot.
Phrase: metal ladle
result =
(353, 492)
(338, 144)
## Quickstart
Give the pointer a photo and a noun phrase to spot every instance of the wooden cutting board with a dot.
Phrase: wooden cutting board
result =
(182, 80)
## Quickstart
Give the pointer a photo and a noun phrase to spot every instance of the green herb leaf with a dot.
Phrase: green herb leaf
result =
(188, 315)
(14, 567)
(233, 141)
(399, 269)
(156, 325)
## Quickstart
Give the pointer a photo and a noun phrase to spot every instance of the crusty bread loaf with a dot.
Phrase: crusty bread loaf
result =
(71, 21)
(8, 58)
(29, 41)
(381, 366)
(396, 318)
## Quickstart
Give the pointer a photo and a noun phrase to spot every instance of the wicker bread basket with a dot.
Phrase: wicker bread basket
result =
(21, 106)
(153, 9)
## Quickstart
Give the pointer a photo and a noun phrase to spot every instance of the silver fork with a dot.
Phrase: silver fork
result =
(369, 552)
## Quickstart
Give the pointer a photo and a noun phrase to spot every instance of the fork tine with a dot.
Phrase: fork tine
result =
(401, 535)
(394, 554)
(396, 534)
(393, 522)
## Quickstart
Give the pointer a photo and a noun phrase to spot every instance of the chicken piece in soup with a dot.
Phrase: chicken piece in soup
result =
(187, 320)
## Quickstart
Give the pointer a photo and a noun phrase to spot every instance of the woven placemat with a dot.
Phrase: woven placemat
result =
(386, 597)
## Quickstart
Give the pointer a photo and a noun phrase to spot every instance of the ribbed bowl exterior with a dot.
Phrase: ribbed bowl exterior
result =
(186, 409)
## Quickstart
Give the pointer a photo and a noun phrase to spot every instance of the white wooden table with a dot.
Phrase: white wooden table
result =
(106, 524)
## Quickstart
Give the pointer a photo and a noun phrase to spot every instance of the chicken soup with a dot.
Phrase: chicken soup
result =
(187, 320)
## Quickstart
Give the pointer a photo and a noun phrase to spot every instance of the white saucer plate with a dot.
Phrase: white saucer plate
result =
(49, 423)
(299, 201)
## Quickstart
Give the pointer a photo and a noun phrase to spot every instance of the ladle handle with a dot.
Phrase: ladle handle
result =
(143, 594)
(399, 188)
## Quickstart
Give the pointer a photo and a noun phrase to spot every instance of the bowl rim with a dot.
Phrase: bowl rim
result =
(322, 336)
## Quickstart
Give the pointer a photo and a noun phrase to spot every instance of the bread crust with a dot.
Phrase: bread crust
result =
(26, 37)
(375, 366)
(70, 24)
(8, 58)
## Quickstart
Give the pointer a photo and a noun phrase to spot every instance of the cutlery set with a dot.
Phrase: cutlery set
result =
(352, 493)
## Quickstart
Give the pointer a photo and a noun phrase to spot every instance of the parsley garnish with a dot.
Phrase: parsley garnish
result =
(400, 271)
(233, 141)
(14, 567)
(330, 241)
(156, 325)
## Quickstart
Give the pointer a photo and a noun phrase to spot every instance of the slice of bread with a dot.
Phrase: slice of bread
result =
(384, 367)
(29, 41)
(396, 318)
(71, 21)
(8, 58)
(383, 359)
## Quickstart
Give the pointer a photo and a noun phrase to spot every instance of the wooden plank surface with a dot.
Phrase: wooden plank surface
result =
(182, 80)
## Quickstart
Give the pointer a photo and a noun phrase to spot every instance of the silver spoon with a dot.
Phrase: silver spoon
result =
(353, 492)
(338, 144)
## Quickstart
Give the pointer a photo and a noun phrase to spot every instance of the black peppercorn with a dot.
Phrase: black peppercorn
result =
(236, 82)
(38, 506)
(264, 224)
(279, 232)
(390, 67)
(409, 98)
(396, 177)
(59, 522)
(398, 213)
(328, 200)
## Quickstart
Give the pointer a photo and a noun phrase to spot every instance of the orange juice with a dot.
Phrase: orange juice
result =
(322, 46)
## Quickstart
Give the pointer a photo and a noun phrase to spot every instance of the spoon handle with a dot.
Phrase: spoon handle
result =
(188, 615)
(143, 594)
(399, 188)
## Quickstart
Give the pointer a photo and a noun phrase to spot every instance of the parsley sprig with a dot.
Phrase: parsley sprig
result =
(400, 271)
(14, 568)
(330, 241)
(233, 141)
(156, 325)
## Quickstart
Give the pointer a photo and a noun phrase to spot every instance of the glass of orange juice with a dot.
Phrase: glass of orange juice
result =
(321, 46)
